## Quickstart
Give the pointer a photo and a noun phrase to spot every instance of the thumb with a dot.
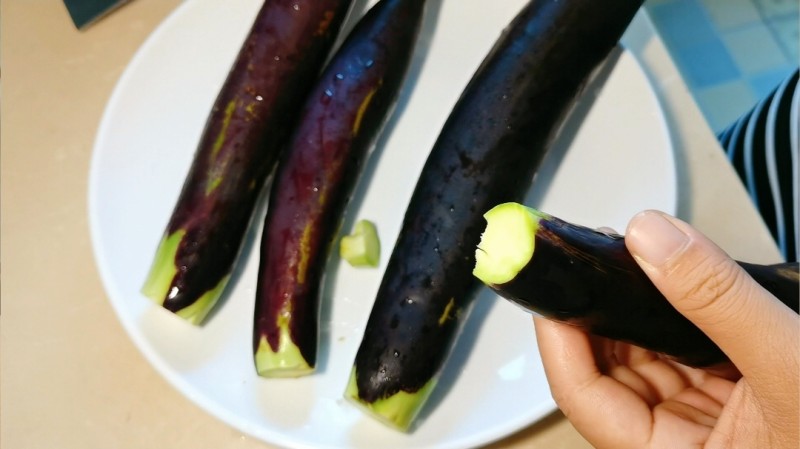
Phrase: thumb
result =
(710, 289)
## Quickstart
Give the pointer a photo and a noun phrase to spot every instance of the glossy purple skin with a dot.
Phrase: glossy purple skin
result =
(249, 124)
(315, 177)
(589, 279)
(486, 154)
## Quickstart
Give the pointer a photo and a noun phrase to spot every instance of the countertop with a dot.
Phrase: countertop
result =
(71, 377)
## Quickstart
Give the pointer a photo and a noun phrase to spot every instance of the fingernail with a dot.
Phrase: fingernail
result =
(654, 239)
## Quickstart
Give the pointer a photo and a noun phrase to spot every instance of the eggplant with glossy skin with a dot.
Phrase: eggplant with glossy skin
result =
(315, 178)
(249, 124)
(588, 278)
(487, 152)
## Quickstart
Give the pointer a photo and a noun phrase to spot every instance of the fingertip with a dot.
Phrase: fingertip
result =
(654, 239)
(555, 333)
(542, 323)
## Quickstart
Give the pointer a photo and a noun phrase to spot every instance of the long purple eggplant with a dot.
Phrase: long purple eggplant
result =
(315, 177)
(249, 124)
(487, 152)
(587, 278)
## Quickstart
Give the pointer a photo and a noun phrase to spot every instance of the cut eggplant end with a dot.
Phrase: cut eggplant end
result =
(287, 361)
(362, 248)
(163, 270)
(197, 312)
(397, 411)
(507, 243)
(159, 280)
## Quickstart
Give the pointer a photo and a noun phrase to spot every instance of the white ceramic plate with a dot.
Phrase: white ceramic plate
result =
(619, 162)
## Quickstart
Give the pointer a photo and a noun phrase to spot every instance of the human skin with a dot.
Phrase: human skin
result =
(620, 396)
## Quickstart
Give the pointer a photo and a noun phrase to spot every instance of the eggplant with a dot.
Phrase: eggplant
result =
(315, 178)
(249, 124)
(587, 278)
(486, 153)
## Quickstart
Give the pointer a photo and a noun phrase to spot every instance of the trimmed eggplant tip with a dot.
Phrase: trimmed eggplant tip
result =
(287, 361)
(163, 270)
(398, 411)
(158, 284)
(197, 312)
(506, 244)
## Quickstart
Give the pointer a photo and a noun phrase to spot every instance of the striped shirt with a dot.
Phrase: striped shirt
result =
(762, 146)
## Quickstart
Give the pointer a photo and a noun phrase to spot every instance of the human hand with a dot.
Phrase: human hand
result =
(620, 396)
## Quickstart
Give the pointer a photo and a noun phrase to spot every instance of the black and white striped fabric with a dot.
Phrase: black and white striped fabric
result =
(762, 145)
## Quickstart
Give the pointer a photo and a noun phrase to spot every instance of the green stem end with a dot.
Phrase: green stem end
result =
(159, 280)
(397, 411)
(507, 243)
(362, 248)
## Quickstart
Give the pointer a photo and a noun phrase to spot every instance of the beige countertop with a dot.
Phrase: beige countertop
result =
(71, 377)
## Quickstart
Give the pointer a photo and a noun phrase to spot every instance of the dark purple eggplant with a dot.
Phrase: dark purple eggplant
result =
(249, 124)
(487, 153)
(315, 177)
(587, 278)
